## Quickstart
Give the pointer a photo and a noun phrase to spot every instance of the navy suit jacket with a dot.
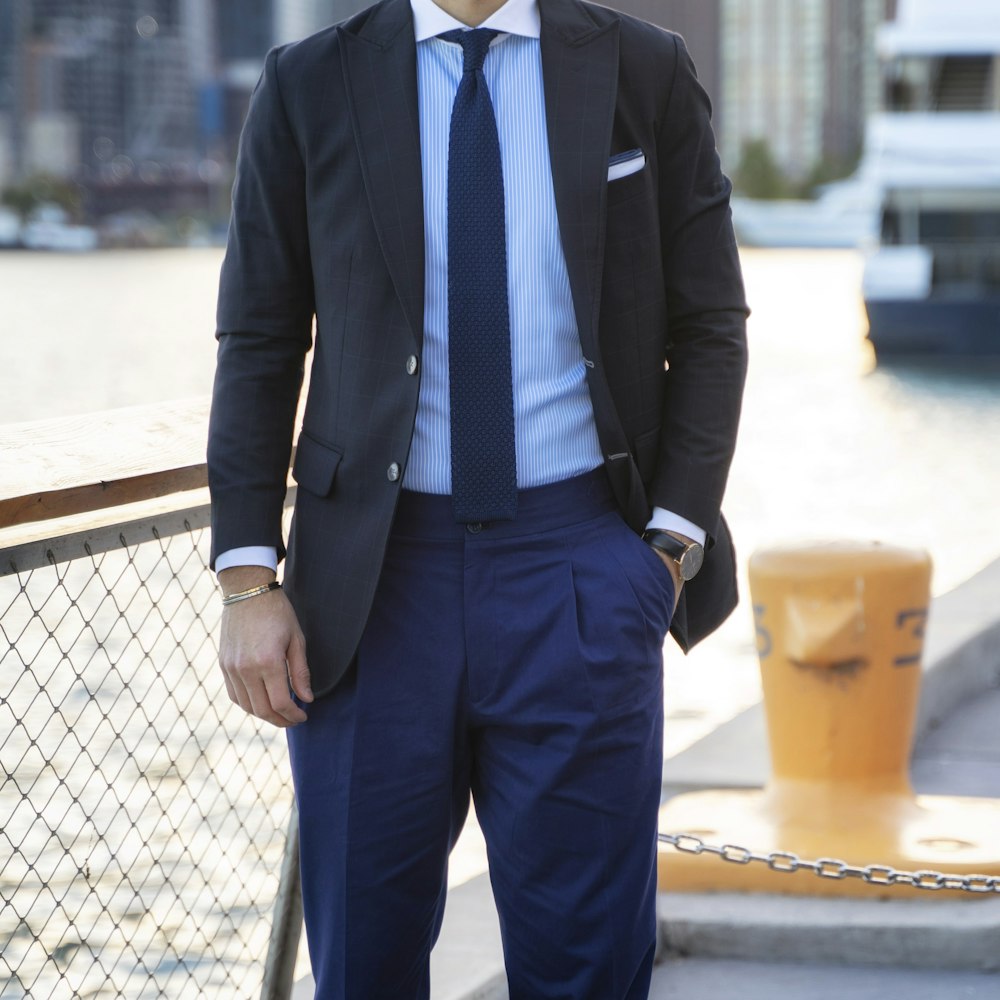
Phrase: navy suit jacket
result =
(328, 221)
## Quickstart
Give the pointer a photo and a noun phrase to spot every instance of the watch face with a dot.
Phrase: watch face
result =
(687, 555)
(690, 561)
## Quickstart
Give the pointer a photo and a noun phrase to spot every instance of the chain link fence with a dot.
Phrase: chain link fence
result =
(143, 816)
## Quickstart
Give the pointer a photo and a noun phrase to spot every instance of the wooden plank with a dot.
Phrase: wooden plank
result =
(96, 538)
(58, 468)
(29, 546)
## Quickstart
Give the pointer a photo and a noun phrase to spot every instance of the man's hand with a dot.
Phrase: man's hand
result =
(262, 649)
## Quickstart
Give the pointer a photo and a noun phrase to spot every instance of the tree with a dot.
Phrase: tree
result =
(758, 174)
(41, 189)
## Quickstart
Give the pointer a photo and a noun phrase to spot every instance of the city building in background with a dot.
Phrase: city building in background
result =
(7, 61)
(801, 77)
(137, 105)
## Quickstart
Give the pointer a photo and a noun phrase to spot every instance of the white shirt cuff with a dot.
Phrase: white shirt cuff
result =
(248, 555)
(665, 520)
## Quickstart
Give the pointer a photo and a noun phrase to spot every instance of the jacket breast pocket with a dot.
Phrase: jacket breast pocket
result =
(315, 465)
(632, 213)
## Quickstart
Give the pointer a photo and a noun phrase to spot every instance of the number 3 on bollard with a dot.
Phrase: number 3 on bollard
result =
(913, 621)
(764, 642)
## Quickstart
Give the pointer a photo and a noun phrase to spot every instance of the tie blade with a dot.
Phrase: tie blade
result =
(483, 454)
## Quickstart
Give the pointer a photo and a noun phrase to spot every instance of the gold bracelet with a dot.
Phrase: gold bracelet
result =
(245, 595)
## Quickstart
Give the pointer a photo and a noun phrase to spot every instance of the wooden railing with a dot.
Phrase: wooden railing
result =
(64, 467)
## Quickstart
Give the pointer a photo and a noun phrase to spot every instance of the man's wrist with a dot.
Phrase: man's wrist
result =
(238, 578)
(666, 520)
(686, 554)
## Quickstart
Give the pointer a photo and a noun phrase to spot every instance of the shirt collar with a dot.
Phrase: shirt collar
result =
(515, 17)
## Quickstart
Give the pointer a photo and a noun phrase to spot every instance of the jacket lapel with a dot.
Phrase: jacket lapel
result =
(380, 76)
(580, 73)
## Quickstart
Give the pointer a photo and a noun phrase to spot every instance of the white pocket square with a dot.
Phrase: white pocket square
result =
(623, 164)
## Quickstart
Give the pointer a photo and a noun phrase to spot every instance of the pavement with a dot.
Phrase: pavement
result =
(721, 979)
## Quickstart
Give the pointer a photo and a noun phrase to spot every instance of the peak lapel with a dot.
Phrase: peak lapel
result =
(380, 75)
(580, 73)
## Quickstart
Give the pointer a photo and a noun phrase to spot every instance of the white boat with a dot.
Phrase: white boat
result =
(49, 229)
(932, 287)
(844, 215)
(10, 229)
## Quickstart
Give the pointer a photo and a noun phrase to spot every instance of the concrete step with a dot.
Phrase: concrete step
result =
(958, 934)
(706, 979)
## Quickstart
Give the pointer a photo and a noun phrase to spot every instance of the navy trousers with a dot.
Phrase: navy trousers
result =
(522, 661)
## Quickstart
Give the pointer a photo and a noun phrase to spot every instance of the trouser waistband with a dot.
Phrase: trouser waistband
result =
(540, 508)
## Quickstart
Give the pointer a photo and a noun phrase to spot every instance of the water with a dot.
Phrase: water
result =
(89, 332)
(830, 446)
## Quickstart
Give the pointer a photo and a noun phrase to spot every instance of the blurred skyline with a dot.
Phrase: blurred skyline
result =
(138, 104)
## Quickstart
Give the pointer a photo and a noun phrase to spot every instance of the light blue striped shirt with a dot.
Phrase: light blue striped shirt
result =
(555, 433)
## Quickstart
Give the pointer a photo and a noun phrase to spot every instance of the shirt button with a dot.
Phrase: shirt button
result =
(393, 472)
(474, 528)
(411, 365)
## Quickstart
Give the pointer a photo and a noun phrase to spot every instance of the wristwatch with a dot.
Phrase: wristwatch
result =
(687, 555)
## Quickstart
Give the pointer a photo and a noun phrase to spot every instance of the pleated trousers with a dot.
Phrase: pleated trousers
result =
(522, 662)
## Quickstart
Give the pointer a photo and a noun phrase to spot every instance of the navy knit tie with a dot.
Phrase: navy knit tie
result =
(483, 462)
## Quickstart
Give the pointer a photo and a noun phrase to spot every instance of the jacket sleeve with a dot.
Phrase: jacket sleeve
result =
(264, 327)
(706, 340)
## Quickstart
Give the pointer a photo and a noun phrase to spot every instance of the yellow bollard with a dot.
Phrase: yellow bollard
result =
(840, 632)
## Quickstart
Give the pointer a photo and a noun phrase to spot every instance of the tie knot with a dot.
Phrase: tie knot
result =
(475, 44)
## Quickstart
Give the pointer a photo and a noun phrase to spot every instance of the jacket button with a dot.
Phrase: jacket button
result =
(393, 472)
(411, 365)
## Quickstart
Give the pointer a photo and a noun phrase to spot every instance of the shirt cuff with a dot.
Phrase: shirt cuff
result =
(665, 520)
(248, 555)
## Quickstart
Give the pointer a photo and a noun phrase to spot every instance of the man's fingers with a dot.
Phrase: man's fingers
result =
(237, 690)
(298, 669)
(230, 687)
(260, 702)
(262, 690)
(280, 700)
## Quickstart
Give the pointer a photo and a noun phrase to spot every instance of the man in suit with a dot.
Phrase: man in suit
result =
(523, 402)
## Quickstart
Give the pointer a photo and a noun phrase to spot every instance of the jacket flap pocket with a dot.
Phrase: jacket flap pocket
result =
(315, 465)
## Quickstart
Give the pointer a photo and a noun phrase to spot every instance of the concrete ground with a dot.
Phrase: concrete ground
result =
(722, 979)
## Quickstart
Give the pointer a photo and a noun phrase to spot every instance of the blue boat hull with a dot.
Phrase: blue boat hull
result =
(935, 327)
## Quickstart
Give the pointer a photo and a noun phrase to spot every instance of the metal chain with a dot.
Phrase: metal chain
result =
(787, 863)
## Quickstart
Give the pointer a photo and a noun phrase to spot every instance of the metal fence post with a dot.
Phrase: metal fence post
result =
(286, 925)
